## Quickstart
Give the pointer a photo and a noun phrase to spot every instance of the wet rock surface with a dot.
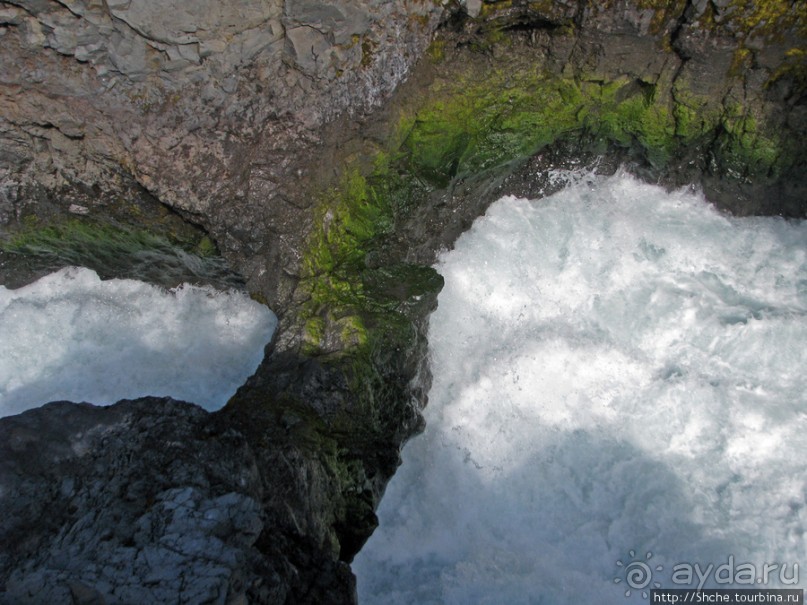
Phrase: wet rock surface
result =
(117, 504)
(157, 501)
(328, 150)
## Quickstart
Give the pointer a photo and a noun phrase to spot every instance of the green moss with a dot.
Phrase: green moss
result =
(349, 217)
(695, 117)
(794, 68)
(745, 148)
(628, 112)
(352, 331)
(480, 126)
(477, 119)
(436, 51)
(768, 18)
(313, 335)
(76, 241)
(206, 247)
(480, 121)
(476, 126)
(113, 250)
(351, 220)
(688, 122)
(258, 297)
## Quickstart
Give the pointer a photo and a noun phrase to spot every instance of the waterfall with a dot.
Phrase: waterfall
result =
(619, 380)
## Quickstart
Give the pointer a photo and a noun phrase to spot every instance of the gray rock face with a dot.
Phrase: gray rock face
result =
(186, 549)
(131, 533)
(153, 501)
(212, 109)
(208, 106)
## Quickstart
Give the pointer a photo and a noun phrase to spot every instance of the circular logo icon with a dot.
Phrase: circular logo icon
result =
(637, 573)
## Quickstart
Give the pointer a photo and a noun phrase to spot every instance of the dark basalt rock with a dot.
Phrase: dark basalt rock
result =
(306, 143)
(143, 501)
(157, 501)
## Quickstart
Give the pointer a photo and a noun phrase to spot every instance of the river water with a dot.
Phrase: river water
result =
(619, 385)
(71, 336)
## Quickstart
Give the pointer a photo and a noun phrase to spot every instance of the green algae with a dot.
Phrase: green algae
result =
(114, 250)
(478, 127)
(746, 149)
(81, 242)
(768, 18)
(436, 50)
(487, 125)
(349, 302)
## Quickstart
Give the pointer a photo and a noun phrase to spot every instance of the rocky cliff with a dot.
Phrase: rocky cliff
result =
(206, 108)
(325, 150)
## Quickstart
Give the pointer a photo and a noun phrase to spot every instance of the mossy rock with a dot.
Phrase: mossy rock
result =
(478, 118)
(120, 251)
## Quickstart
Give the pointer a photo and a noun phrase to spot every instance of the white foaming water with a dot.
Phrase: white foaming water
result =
(71, 336)
(616, 369)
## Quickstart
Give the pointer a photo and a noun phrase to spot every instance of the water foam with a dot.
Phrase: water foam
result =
(616, 369)
(71, 336)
